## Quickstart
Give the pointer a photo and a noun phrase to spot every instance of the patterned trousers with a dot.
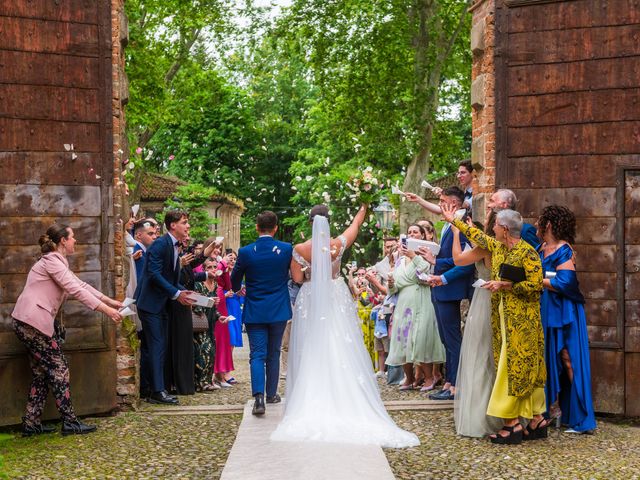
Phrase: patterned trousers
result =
(48, 368)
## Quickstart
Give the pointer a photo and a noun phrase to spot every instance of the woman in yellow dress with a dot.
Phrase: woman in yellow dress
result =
(518, 338)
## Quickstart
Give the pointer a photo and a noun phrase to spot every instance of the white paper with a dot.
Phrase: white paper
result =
(201, 300)
(425, 277)
(127, 312)
(414, 244)
(550, 275)
(127, 301)
(459, 214)
(230, 317)
(134, 209)
(478, 283)
(426, 184)
(396, 191)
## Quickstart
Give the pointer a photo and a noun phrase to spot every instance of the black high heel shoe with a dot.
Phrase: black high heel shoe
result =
(514, 437)
(541, 431)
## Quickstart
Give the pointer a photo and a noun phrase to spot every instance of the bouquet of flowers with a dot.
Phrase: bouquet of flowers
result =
(365, 186)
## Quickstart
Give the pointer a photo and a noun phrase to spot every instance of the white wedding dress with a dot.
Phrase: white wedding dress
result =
(332, 394)
(476, 370)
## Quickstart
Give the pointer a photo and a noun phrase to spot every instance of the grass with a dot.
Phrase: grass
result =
(4, 438)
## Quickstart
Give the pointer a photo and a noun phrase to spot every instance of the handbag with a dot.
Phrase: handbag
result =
(512, 273)
(200, 322)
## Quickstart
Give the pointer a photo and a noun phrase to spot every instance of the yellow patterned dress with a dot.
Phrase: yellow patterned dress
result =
(518, 338)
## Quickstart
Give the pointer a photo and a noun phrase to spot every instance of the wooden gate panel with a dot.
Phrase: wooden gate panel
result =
(568, 118)
(573, 14)
(62, 70)
(611, 73)
(56, 89)
(51, 168)
(561, 171)
(77, 11)
(29, 35)
(596, 138)
(608, 380)
(575, 107)
(43, 102)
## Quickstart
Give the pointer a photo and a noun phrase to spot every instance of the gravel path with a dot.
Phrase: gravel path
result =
(141, 445)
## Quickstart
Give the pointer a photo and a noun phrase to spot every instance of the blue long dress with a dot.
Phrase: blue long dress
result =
(234, 307)
(565, 326)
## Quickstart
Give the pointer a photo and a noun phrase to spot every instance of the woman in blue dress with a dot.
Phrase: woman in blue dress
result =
(234, 307)
(568, 388)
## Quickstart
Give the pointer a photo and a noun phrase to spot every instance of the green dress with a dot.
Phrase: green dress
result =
(414, 333)
(518, 338)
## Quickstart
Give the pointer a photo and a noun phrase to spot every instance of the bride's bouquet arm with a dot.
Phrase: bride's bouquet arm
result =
(351, 232)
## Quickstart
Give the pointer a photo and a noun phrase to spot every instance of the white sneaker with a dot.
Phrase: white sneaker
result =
(224, 384)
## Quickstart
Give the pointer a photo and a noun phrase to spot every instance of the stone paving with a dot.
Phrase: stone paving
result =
(143, 444)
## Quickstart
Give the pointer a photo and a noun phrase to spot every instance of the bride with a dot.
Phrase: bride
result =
(332, 394)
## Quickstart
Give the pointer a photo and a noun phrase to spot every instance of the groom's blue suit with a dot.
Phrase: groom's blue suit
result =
(264, 265)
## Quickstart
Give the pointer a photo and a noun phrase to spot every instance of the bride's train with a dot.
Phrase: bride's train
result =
(332, 394)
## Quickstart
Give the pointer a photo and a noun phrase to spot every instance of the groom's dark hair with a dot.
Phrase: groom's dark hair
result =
(267, 221)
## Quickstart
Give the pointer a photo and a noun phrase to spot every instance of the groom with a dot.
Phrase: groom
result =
(264, 265)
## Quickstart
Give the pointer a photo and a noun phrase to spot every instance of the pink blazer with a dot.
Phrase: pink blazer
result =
(49, 282)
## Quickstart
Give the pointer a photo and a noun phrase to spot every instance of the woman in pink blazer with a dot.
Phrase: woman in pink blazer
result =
(49, 282)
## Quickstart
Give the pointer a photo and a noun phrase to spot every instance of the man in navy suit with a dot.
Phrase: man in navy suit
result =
(450, 284)
(264, 265)
(144, 234)
(505, 199)
(159, 284)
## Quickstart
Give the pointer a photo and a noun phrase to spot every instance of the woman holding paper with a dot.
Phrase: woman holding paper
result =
(518, 339)
(565, 326)
(414, 335)
(49, 282)
(476, 369)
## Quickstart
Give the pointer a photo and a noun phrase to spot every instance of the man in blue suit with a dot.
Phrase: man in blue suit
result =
(159, 285)
(144, 233)
(264, 265)
(505, 199)
(450, 284)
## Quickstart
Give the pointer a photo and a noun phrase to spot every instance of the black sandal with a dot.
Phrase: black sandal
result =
(539, 431)
(514, 437)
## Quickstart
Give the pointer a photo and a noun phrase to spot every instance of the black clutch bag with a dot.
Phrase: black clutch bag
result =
(512, 273)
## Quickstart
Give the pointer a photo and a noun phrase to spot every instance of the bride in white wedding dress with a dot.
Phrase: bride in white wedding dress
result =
(332, 394)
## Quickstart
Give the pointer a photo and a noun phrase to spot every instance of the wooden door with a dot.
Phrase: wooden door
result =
(631, 184)
(55, 89)
(566, 103)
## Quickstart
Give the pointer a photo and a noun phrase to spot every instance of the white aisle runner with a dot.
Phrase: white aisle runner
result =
(254, 456)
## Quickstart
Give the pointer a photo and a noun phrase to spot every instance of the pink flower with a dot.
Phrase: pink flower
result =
(139, 150)
(366, 187)
(377, 224)
(171, 157)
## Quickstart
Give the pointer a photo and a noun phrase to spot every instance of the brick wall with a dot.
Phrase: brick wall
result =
(483, 154)
(126, 356)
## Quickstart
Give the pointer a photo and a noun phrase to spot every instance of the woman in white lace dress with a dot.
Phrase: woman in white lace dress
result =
(332, 394)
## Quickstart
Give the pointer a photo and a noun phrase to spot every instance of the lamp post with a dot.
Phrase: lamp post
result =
(385, 214)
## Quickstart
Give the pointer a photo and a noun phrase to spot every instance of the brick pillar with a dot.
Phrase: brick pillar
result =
(483, 155)
(126, 355)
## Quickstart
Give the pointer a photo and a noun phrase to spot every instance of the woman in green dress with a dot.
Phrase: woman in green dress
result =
(518, 338)
(414, 334)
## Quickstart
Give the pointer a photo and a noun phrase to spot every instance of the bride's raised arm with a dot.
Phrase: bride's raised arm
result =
(351, 232)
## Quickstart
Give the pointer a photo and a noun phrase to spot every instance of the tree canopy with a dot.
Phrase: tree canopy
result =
(283, 111)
